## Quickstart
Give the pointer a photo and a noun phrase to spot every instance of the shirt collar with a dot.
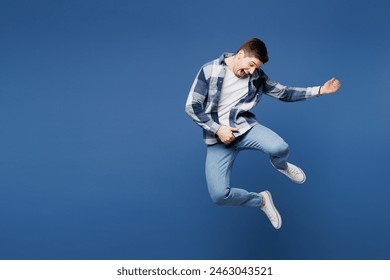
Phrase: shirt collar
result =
(223, 56)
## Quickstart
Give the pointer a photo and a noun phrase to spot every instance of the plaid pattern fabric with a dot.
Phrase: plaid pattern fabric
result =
(203, 98)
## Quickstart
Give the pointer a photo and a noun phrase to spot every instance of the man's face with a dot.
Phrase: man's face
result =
(245, 65)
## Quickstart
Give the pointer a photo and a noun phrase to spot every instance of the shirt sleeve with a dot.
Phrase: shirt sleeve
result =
(289, 94)
(196, 104)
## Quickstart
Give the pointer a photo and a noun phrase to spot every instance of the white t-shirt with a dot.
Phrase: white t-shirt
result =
(233, 90)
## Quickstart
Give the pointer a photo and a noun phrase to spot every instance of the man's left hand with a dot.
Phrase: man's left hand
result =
(330, 86)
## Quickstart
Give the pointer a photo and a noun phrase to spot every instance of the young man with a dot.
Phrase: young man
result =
(223, 93)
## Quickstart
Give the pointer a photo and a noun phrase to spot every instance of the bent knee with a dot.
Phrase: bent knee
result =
(221, 197)
(279, 149)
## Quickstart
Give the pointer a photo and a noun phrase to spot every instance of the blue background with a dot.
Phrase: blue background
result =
(99, 161)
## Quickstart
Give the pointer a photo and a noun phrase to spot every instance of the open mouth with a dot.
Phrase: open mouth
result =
(241, 73)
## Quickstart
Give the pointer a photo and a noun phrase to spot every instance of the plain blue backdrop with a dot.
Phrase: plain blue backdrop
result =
(99, 161)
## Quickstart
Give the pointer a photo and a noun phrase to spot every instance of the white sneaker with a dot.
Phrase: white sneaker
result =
(293, 172)
(269, 209)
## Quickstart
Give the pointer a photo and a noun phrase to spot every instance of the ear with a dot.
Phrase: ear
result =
(240, 54)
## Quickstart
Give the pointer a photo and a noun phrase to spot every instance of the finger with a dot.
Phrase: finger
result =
(331, 81)
(230, 139)
(227, 142)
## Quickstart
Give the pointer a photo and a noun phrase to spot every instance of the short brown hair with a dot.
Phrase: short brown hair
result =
(255, 48)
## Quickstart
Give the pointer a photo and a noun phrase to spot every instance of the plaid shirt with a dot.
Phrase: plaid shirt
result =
(202, 101)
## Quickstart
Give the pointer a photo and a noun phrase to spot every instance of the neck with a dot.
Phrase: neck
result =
(230, 61)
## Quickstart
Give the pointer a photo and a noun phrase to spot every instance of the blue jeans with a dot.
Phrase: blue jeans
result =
(220, 158)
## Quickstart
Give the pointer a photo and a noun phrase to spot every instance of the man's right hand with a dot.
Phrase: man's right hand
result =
(225, 134)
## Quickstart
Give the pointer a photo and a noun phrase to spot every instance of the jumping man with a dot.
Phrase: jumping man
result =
(220, 100)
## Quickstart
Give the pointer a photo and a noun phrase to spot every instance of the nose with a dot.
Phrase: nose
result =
(252, 70)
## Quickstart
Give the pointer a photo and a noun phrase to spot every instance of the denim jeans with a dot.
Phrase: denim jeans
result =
(220, 158)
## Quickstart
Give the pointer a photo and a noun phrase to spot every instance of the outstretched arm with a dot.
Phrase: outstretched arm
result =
(292, 94)
(330, 86)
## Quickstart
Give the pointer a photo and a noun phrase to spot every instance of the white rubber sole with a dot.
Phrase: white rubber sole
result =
(286, 174)
(268, 199)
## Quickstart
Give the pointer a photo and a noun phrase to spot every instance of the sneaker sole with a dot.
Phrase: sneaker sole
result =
(269, 197)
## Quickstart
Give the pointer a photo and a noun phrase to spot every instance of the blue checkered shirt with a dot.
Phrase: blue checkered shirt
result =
(202, 101)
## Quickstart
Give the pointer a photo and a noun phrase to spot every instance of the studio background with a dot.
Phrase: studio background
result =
(99, 161)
